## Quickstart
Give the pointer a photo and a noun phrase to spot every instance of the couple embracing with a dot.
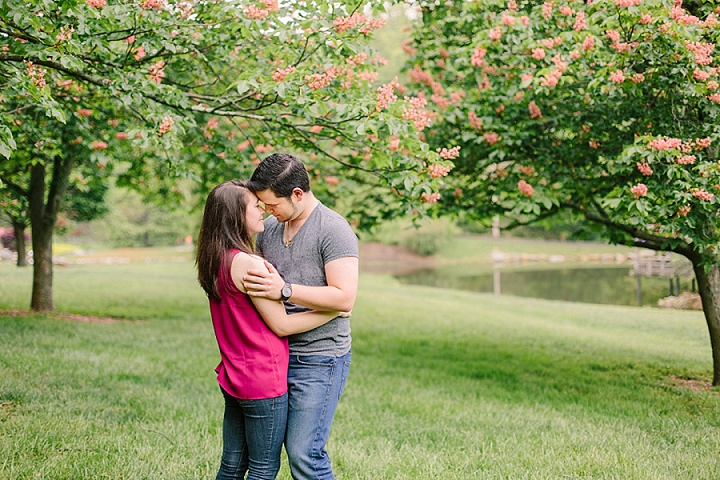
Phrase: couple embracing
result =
(281, 291)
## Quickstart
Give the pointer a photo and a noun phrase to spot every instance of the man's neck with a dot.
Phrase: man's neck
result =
(308, 204)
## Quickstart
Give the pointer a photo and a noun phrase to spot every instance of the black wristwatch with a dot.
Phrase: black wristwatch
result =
(286, 292)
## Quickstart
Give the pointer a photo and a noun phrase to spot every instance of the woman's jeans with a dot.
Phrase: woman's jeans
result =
(315, 384)
(253, 432)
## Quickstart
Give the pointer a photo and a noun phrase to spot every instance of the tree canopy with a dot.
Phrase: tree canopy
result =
(155, 91)
(607, 109)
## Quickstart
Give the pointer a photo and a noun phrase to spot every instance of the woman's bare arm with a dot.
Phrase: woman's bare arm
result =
(273, 311)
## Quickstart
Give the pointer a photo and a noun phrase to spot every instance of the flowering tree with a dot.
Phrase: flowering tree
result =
(607, 109)
(157, 90)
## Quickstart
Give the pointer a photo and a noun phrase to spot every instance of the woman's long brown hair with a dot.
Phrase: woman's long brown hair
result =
(223, 228)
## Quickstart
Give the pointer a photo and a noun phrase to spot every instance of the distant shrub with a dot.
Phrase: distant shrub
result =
(7, 237)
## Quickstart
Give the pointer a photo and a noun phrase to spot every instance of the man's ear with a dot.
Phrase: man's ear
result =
(298, 193)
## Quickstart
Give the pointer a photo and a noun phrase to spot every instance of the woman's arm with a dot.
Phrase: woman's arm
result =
(273, 311)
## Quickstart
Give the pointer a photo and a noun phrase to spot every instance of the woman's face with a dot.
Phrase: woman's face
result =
(254, 212)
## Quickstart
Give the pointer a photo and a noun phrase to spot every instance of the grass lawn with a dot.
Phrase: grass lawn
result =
(444, 384)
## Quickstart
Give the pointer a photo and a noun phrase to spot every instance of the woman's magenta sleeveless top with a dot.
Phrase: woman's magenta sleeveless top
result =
(254, 361)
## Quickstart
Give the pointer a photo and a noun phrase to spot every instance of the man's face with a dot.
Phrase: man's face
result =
(283, 209)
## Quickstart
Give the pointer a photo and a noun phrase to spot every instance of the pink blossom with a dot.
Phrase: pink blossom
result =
(646, 19)
(551, 80)
(65, 33)
(594, 144)
(121, 135)
(715, 97)
(526, 77)
(386, 95)
(449, 154)
(437, 171)
(525, 20)
(243, 145)
(712, 85)
(495, 34)
(547, 9)
(477, 57)
(153, 4)
(475, 122)
(613, 35)
(139, 53)
(96, 3)
(548, 42)
(702, 51)
(166, 125)
(525, 188)
(280, 74)
(421, 76)
(534, 110)
(255, 12)
(37, 74)
(702, 194)
(627, 3)
(580, 23)
(492, 138)
(684, 210)
(588, 43)
(538, 53)
(565, 10)
(316, 129)
(129, 40)
(432, 198)
(507, 20)
(416, 112)
(407, 48)
(664, 143)
(84, 112)
(358, 59)
(638, 77)
(686, 160)
(368, 76)
(526, 170)
(156, 71)
(645, 169)
(617, 76)
(98, 145)
(334, 181)
(639, 190)
(702, 143)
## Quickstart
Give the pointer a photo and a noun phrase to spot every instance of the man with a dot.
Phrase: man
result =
(315, 255)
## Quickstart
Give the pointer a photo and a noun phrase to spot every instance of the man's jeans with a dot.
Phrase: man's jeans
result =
(315, 384)
(253, 432)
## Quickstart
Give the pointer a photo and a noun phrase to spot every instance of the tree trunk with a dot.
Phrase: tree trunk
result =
(709, 289)
(43, 215)
(19, 230)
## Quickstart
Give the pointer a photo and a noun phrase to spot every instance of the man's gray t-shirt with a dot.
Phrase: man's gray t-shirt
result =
(325, 236)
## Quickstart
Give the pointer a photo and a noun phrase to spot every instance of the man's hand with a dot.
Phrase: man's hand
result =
(266, 284)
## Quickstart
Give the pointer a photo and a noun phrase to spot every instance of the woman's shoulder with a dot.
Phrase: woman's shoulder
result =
(246, 261)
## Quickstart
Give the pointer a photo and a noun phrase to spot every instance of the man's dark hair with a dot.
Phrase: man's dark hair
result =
(281, 173)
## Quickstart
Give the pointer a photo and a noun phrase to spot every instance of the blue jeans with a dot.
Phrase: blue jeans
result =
(253, 432)
(315, 384)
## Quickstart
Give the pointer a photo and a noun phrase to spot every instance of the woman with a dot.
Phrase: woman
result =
(254, 357)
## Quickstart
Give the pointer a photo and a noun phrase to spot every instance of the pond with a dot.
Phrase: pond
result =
(605, 285)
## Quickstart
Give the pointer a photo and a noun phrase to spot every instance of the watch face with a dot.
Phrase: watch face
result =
(286, 292)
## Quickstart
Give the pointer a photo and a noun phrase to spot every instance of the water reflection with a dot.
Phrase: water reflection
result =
(607, 285)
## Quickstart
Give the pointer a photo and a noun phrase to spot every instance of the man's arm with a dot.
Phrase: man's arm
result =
(339, 294)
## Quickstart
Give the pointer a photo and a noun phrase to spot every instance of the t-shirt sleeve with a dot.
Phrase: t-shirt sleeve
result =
(339, 241)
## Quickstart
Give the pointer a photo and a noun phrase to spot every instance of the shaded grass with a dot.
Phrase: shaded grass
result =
(444, 384)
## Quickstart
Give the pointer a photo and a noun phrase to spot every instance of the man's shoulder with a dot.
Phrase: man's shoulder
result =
(328, 214)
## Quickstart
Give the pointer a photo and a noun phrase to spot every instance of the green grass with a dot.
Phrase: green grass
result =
(444, 384)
